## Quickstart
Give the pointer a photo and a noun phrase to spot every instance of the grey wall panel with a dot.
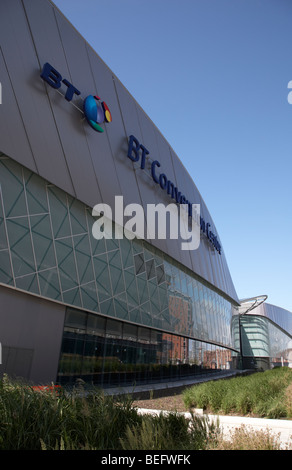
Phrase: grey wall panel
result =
(32, 325)
(278, 315)
(136, 123)
(129, 111)
(68, 118)
(152, 193)
(80, 75)
(198, 257)
(212, 267)
(62, 147)
(116, 134)
(29, 90)
(13, 141)
(102, 147)
(133, 169)
(182, 183)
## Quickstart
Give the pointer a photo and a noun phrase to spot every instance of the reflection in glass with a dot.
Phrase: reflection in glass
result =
(109, 352)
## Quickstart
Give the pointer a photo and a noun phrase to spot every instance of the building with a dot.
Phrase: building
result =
(112, 310)
(264, 336)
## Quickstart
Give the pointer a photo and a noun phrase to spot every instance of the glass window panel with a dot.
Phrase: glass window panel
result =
(144, 335)
(113, 329)
(163, 296)
(148, 254)
(28, 283)
(97, 246)
(131, 287)
(59, 212)
(160, 274)
(3, 238)
(107, 307)
(121, 307)
(5, 268)
(75, 319)
(102, 277)
(130, 332)
(72, 297)
(83, 258)
(49, 284)
(96, 325)
(176, 278)
(146, 316)
(12, 188)
(126, 253)
(116, 272)
(66, 263)
(142, 288)
(77, 216)
(137, 246)
(89, 296)
(139, 263)
(154, 298)
(42, 241)
(150, 269)
(36, 193)
(20, 246)
(135, 315)
(112, 243)
(183, 279)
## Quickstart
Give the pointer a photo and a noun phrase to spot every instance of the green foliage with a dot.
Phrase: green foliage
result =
(44, 420)
(263, 394)
(243, 438)
(171, 431)
(32, 420)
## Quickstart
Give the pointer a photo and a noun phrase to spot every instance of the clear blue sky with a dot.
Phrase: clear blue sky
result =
(212, 75)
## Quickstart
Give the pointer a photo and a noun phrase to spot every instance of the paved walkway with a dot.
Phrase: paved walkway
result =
(281, 428)
(156, 386)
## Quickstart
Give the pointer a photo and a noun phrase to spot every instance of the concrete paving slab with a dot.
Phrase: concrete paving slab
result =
(280, 428)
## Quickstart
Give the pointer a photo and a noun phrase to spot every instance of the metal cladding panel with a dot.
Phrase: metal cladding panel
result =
(122, 180)
(51, 136)
(49, 47)
(132, 126)
(278, 315)
(159, 150)
(80, 163)
(32, 324)
(32, 102)
(11, 123)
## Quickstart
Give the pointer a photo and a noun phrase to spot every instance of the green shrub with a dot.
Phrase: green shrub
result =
(243, 438)
(171, 431)
(262, 393)
(32, 420)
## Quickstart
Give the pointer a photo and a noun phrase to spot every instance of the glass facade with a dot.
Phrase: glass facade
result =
(264, 344)
(108, 352)
(47, 249)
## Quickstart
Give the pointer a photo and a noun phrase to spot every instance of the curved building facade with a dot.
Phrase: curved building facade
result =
(265, 335)
(111, 309)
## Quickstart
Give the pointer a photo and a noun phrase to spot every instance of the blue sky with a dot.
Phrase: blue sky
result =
(213, 75)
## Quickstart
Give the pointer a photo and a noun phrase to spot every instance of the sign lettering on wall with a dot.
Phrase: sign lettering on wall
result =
(95, 110)
(138, 153)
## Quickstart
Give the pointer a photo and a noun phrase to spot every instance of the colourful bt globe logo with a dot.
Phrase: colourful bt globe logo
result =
(96, 112)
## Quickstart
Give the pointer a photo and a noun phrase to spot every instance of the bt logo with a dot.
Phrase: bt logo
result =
(96, 113)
